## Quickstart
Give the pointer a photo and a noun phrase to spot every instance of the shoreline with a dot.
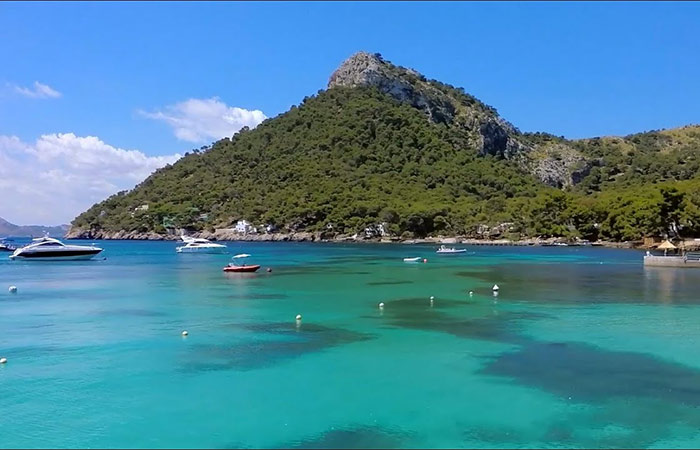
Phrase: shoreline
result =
(226, 235)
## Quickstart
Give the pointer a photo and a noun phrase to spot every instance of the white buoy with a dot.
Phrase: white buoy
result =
(3, 360)
(185, 333)
(471, 293)
(381, 305)
(13, 289)
(298, 317)
(432, 298)
(495, 287)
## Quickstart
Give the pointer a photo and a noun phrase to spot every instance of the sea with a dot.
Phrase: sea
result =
(580, 347)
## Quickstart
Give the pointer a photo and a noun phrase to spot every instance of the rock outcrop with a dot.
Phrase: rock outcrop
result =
(441, 103)
(559, 165)
(497, 139)
(405, 85)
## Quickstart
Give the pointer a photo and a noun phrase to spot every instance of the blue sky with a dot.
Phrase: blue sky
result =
(123, 72)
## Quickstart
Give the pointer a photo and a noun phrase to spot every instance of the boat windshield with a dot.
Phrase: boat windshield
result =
(50, 244)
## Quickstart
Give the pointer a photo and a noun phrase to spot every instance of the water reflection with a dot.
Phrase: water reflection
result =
(666, 284)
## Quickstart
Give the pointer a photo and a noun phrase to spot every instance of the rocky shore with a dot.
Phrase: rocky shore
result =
(230, 235)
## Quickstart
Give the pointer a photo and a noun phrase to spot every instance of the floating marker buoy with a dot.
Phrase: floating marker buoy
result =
(185, 333)
(13, 289)
(425, 260)
(3, 360)
(381, 305)
(495, 287)
(269, 270)
(471, 293)
(298, 316)
(432, 298)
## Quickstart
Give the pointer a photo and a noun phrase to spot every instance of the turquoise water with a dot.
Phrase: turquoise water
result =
(583, 347)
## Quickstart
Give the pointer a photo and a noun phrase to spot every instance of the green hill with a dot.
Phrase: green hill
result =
(384, 145)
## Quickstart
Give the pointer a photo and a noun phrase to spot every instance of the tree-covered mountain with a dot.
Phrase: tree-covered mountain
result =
(384, 145)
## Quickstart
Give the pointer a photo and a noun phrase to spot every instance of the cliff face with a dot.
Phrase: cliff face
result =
(405, 85)
(558, 165)
(441, 103)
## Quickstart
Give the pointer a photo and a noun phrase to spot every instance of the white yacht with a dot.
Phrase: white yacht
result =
(200, 245)
(450, 250)
(49, 249)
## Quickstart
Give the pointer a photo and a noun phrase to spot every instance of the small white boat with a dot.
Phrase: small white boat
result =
(49, 249)
(450, 250)
(200, 245)
(416, 259)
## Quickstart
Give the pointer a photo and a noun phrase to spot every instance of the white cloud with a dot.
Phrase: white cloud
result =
(59, 176)
(204, 120)
(38, 91)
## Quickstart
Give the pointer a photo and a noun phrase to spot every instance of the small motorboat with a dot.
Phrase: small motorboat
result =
(49, 249)
(450, 250)
(242, 267)
(5, 247)
(416, 259)
(199, 245)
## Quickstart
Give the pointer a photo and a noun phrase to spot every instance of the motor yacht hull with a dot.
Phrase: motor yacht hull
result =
(73, 255)
(251, 268)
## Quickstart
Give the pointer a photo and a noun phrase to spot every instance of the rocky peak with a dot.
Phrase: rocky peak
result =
(405, 85)
(360, 69)
(441, 103)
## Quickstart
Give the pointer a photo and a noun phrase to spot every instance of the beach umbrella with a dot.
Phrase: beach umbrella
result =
(666, 246)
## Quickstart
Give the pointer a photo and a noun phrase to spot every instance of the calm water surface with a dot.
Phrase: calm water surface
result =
(583, 347)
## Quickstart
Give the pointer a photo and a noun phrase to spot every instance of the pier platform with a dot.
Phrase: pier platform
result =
(671, 261)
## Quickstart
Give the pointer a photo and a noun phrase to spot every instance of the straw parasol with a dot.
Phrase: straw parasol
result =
(666, 246)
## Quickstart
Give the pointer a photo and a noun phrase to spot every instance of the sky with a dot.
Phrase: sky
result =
(95, 96)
